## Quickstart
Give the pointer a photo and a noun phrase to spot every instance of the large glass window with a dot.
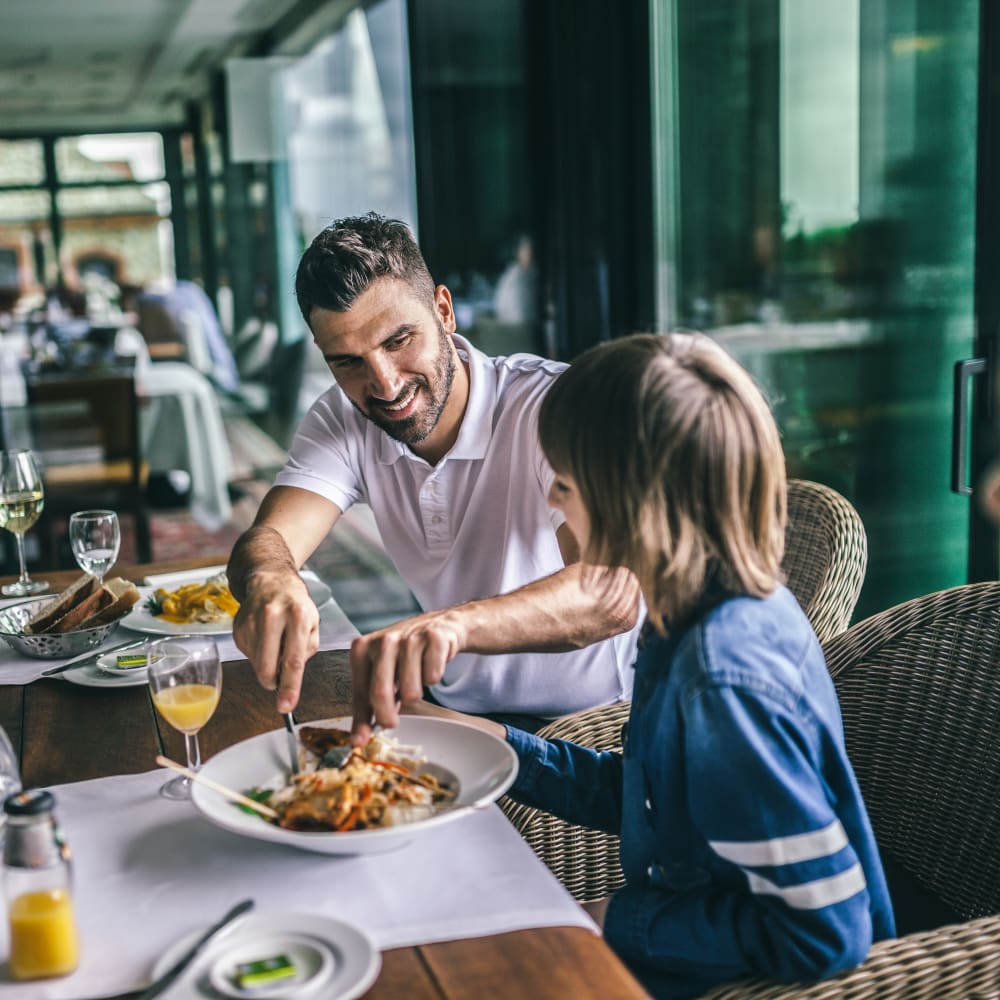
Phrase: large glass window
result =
(119, 233)
(129, 157)
(27, 254)
(347, 110)
(479, 223)
(816, 205)
(344, 110)
(21, 161)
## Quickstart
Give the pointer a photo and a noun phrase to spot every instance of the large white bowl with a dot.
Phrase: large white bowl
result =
(484, 765)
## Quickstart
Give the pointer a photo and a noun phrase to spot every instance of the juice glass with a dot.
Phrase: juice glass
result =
(185, 680)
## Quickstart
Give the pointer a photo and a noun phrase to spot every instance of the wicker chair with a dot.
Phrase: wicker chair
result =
(826, 555)
(920, 693)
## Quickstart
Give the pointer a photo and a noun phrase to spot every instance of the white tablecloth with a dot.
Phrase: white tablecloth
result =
(181, 427)
(149, 871)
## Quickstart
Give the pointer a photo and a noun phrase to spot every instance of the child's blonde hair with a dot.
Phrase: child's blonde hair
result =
(679, 466)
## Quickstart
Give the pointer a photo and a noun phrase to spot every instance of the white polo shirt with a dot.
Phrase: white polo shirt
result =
(475, 525)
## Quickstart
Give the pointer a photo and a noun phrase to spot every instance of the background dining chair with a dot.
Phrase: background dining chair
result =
(86, 429)
(919, 689)
(826, 554)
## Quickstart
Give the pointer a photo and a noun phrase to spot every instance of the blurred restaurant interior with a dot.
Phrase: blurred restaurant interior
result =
(806, 182)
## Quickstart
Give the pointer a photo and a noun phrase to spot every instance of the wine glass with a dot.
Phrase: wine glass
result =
(185, 678)
(94, 536)
(21, 503)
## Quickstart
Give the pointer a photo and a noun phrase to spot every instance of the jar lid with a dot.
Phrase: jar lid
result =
(32, 802)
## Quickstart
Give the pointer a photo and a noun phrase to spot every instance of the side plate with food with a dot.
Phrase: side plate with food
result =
(148, 617)
(454, 754)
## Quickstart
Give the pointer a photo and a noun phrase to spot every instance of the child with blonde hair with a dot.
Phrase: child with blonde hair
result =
(745, 842)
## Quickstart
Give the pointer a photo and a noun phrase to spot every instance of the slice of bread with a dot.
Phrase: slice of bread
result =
(87, 608)
(121, 594)
(79, 590)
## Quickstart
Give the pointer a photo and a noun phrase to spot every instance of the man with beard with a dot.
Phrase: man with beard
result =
(441, 441)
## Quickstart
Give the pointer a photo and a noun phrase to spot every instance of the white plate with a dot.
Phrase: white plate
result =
(91, 675)
(332, 958)
(141, 619)
(484, 765)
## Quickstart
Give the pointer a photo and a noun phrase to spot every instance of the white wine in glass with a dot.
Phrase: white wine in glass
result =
(22, 500)
(185, 680)
(95, 537)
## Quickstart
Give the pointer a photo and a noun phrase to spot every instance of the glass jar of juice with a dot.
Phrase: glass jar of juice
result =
(37, 877)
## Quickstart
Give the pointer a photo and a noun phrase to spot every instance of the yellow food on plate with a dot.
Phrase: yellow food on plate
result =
(211, 601)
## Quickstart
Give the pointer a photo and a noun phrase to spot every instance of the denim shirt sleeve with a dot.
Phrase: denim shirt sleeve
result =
(799, 906)
(574, 783)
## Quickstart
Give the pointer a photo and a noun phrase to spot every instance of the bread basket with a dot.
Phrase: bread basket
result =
(47, 646)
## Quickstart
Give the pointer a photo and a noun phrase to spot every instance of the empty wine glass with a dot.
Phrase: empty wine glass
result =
(21, 503)
(185, 678)
(95, 537)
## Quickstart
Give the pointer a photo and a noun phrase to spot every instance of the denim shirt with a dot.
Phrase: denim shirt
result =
(745, 843)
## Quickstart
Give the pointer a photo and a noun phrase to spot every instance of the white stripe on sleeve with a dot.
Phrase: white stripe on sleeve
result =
(813, 895)
(783, 850)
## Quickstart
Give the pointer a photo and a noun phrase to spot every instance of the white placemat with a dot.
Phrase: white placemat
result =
(335, 632)
(148, 871)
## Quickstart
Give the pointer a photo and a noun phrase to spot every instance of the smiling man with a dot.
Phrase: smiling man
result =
(441, 441)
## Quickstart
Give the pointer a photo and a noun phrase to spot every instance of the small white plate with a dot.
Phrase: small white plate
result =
(141, 619)
(332, 958)
(108, 663)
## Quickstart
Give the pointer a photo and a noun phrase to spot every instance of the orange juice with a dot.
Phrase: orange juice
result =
(187, 707)
(43, 939)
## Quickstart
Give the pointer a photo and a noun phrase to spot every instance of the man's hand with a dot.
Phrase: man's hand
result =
(391, 666)
(277, 629)
(277, 626)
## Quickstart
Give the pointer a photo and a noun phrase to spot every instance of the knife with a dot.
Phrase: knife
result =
(91, 654)
(293, 742)
(170, 976)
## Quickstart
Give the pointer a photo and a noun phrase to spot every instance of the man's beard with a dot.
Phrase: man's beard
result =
(413, 430)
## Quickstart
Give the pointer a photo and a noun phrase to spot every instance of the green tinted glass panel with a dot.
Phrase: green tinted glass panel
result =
(816, 211)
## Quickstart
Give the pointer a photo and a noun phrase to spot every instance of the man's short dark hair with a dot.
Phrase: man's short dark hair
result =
(346, 257)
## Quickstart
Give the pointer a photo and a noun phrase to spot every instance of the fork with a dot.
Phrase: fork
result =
(293, 741)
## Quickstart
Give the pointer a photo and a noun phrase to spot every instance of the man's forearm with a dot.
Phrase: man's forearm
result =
(571, 609)
(258, 548)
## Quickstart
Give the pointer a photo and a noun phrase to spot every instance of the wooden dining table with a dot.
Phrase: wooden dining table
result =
(66, 733)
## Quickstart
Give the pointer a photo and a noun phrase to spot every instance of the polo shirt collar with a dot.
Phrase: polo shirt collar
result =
(477, 424)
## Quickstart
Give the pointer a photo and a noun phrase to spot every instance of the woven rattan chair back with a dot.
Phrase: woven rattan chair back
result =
(919, 687)
(826, 554)
(585, 861)
(825, 558)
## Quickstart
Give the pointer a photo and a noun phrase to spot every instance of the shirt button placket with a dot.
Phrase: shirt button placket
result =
(434, 515)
